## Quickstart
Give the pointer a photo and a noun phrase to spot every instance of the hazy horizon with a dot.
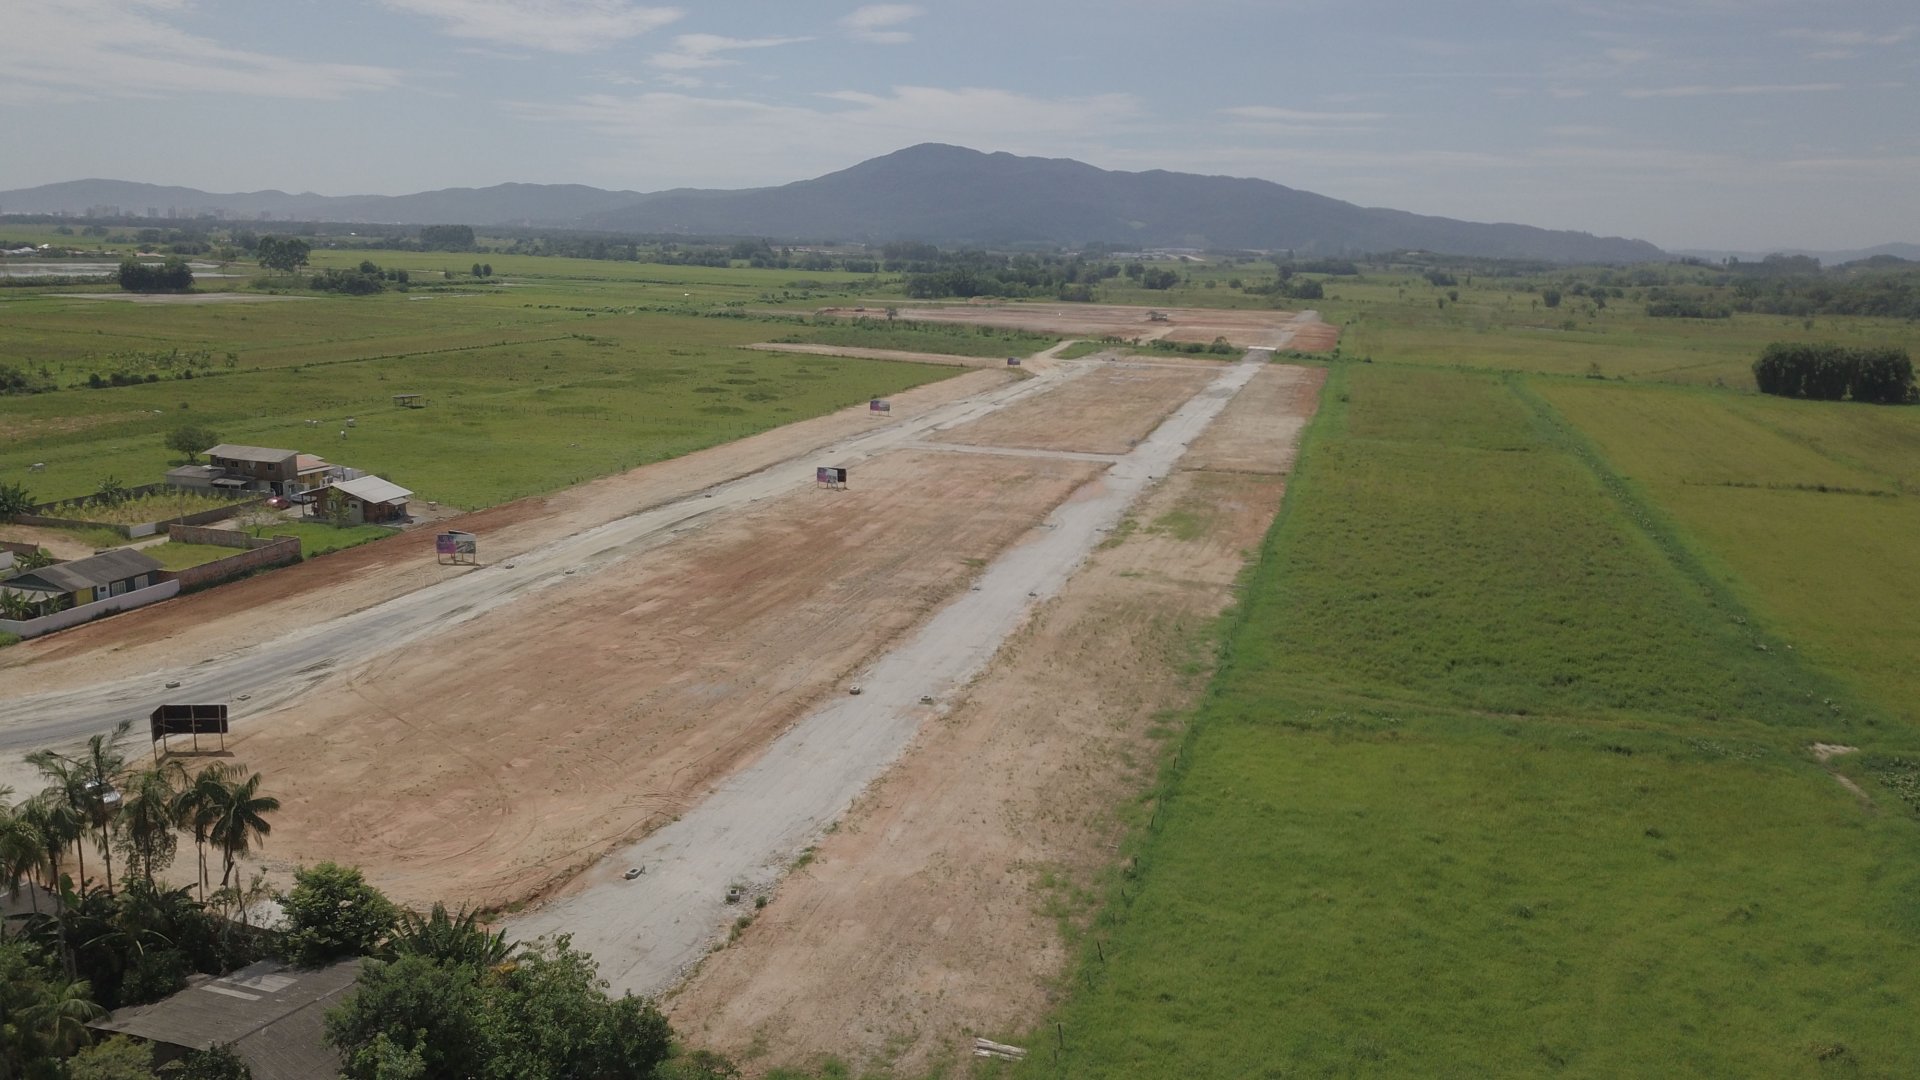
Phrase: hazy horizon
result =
(1745, 125)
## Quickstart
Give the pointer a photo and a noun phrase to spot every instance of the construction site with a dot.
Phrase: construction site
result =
(808, 759)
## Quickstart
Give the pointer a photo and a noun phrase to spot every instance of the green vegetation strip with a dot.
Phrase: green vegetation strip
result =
(922, 337)
(1491, 783)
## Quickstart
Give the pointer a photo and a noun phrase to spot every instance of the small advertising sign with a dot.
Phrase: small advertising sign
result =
(880, 405)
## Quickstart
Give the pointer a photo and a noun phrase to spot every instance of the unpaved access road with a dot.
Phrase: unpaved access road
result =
(1245, 328)
(278, 668)
(933, 911)
(648, 931)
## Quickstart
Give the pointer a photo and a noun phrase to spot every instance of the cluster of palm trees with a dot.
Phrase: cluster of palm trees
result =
(97, 799)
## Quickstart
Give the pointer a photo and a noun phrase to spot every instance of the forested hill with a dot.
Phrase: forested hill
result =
(955, 195)
(944, 194)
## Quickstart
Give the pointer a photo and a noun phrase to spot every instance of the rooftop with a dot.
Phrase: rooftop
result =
(87, 573)
(373, 489)
(237, 452)
(271, 1014)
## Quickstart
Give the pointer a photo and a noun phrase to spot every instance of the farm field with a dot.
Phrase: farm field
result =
(1499, 326)
(1507, 771)
(1802, 506)
(520, 404)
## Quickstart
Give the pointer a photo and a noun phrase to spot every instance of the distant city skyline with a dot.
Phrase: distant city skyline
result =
(1720, 124)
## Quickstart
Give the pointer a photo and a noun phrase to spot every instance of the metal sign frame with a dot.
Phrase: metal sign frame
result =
(456, 548)
(194, 720)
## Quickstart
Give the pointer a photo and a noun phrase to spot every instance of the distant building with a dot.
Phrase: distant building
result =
(255, 468)
(271, 1015)
(369, 500)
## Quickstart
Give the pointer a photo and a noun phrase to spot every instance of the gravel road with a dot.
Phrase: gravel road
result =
(647, 932)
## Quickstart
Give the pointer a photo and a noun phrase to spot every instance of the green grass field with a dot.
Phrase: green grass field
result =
(524, 398)
(1502, 777)
(177, 556)
(1807, 509)
(319, 538)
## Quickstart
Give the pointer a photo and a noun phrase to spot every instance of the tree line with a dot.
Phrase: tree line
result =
(1882, 375)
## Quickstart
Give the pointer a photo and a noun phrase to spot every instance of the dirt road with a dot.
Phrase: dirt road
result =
(648, 931)
(932, 913)
(1242, 327)
(232, 645)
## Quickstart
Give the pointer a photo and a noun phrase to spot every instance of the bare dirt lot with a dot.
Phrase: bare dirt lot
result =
(1245, 329)
(948, 359)
(1260, 431)
(1103, 412)
(933, 912)
(484, 766)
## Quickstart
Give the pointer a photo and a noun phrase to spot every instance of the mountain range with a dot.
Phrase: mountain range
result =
(932, 192)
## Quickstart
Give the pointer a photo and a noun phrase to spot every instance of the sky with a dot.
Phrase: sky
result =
(1748, 125)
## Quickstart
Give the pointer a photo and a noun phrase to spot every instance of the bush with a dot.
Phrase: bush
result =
(332, 913)
(170, 276)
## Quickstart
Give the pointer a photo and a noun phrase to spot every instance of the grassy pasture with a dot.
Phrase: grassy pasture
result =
(1496, 326)
(1809, 510)
(176, 556)
(505, 421)
(531, 389)
(1496, 781)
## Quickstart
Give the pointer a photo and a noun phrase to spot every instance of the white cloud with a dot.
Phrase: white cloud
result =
(791, 140)
(692, 51)
(77, 50)
(564, 26)
(1739, 90)
(878, 24)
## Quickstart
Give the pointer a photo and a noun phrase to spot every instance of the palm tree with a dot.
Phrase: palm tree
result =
(54, 823)
(147, 817)
(65, 798)
(59, 1016)
(451, 939)
(240, 819)
(196, 806)
(102, 768)
(21, 849)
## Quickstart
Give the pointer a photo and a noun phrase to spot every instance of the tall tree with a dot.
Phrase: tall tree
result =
(189, 440)
(103, 767)
(147, 818)
(285, 254)
(241, 819)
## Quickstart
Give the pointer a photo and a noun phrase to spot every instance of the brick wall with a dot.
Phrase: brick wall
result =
(193, 534)
(277, 552)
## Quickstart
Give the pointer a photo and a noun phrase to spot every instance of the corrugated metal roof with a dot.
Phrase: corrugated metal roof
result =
(373, 489)
(236, 452)
(90, 572)
(272, 1015)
